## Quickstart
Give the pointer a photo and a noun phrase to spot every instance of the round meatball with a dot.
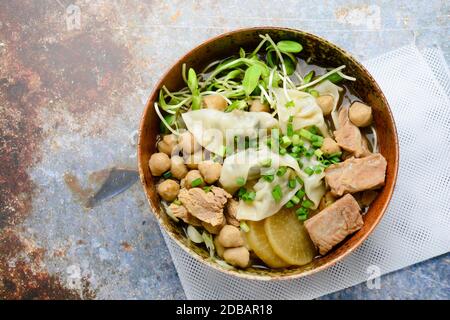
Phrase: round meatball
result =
(360, 114)
(177, 167)
(326, 104)
(167, 144)
(257, 106)
(230, 237)
(168, 190)
(210, 171)
(238, 257)
(159, 163)
(215, 101)
(188, 143)
(192, 176)
(219, 248)
(330, 146)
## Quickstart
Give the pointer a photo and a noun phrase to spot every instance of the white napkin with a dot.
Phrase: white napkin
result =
(416, 226)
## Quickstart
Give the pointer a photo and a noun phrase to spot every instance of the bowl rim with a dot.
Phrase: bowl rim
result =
(234, 272)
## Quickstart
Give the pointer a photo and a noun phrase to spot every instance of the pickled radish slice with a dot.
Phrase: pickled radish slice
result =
(258, 242)
(288, 238)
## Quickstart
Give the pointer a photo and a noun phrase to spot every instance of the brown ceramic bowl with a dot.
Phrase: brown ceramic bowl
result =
(322, 53)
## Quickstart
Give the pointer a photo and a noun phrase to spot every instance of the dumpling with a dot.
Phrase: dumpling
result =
(329, 88)
(264, 205)
(304, 110)
(210, 127)
(249, 165)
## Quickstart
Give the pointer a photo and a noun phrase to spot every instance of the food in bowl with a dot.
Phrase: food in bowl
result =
(265, 159)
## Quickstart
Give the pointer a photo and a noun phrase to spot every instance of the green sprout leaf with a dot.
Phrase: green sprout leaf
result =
(289, 46)
(251, 78)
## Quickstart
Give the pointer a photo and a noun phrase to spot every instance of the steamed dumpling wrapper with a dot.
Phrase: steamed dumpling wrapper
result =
(305, 111)
(248, 164)
(329, 88)
(213, 129)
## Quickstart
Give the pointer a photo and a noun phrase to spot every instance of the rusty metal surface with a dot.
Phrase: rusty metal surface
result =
(74, 77)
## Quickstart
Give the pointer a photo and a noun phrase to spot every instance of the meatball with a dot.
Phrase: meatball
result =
(177, 167)
(230, 237)
(210, 171)
(257, 106)
(330, 146)
(168, 190)
(360, 114)
(238, 257)
(326, 104)
(188, 143)
(215, 101)
(167, 144)
(192, 176)
(219, 248)
(159, 163)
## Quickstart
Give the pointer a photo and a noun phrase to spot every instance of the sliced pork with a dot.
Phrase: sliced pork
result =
(330, 226)
(349, 137)
(354, 175)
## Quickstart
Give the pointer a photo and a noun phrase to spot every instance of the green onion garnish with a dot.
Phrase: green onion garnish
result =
(167, 175)
(269, 177)
(207, 189)
(290, 104)
(300, 193)
(281, 171)
(307, 204)
(295, 200)
(292, 183)
(196, 182)
(309, 171)
(277, 194)
(177, 202)
(314, 93)
(266, 163)
(244, 226)
(289, 204)
(240, 181)
(296, 140)
(283, 151)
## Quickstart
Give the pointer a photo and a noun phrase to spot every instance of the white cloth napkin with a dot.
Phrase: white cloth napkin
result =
(416, 226)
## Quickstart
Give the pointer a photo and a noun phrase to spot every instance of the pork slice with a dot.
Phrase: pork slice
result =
(354, 175)
(330, 226)
(206, 206)
(349, 137)
(181, 212)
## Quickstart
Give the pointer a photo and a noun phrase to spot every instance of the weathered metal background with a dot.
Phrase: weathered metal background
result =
(74, 77)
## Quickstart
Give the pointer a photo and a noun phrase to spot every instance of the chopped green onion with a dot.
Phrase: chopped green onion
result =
(337, 154)
(335, 160)
(277, 194)
(302, 217)
(241, 192)
(307, 204)
(299, 180)
(290, 104)
(281, 171)
(300, 193)
(318, 143)
(289, 205)
(290, 129)
(309, 153)
(285, 141)
(283, 151)
(296, 149)
(318, 153)
(269, 177)
(240, 181)
(177, 202)
(266, 163)
(314, 93)
(167, 175)
(296, 140)
(292, 183)
(197, 182)
(309, 171)
(249, 196)
(295, 200)
(207, 189)
(244, 226)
